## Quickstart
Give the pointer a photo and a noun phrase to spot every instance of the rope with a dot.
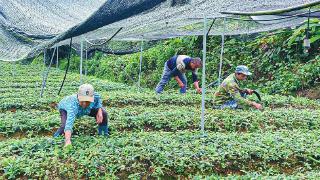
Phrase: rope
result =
(65, 75)
(211, 26)
(92, 44)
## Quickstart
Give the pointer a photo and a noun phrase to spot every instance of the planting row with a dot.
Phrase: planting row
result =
(164, 118)
(161, 154)
(122, 98)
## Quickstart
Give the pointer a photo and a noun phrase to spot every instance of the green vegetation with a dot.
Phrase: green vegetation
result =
(157, 136)
(278, 60)
(152, 136)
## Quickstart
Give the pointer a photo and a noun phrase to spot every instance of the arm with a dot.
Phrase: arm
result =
(234, 91)
(69, 124)
(180, 83)
(196, 82)
(248, 91)
(99, 116)
(98, 105)
(196, 86)
(97, 101)
(67, 135)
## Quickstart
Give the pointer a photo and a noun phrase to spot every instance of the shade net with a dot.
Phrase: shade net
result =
(29, 26)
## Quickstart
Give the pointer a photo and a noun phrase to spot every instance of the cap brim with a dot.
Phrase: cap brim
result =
(245, 73)
(86, 98)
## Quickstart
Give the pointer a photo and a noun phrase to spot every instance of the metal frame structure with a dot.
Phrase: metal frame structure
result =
(204, 51)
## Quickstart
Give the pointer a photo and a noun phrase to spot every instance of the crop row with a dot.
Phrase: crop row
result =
(253, 175)
(123, 98)
(161, 154)
(100, 85)
(164, 118)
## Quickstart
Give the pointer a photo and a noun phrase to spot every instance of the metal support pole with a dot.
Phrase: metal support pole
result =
(45, 74)
(44, 62)
(222, 50)
(44, 56)
(81, 59)
(57, 63)
(204, 73)
(86, 63)
(13, 69)
(140, 64)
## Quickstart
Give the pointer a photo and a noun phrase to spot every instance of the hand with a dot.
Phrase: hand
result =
(181, 85)
(257, 105)
(199, 90)
(67, 136)
(249, 91)
(67, 142)
(99, 116)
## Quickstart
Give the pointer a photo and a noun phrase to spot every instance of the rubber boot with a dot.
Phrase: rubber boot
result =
(103, 130)
(183, 90)
(56, 134)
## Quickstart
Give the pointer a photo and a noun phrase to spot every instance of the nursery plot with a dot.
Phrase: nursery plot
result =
(152, 136)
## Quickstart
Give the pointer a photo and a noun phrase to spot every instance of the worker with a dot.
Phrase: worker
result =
(230, 95)
(85, 102)
(176, 67)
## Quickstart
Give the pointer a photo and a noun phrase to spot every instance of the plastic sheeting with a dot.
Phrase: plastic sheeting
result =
(29, 26)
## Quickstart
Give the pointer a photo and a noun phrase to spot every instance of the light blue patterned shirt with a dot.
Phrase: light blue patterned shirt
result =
(74, 110)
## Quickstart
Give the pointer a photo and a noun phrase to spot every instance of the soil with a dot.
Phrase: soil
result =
(313, 93)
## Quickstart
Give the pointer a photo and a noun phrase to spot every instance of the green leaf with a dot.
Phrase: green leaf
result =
(315, 38)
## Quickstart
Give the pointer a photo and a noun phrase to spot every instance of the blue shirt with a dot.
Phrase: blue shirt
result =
(172, 64)
(74, 110)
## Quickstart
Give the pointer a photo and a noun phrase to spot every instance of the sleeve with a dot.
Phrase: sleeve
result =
(71, 116)
(181, 64)
(97, 101)
(194, 76)
(180, 67)
(234, 91)
(175, 72)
